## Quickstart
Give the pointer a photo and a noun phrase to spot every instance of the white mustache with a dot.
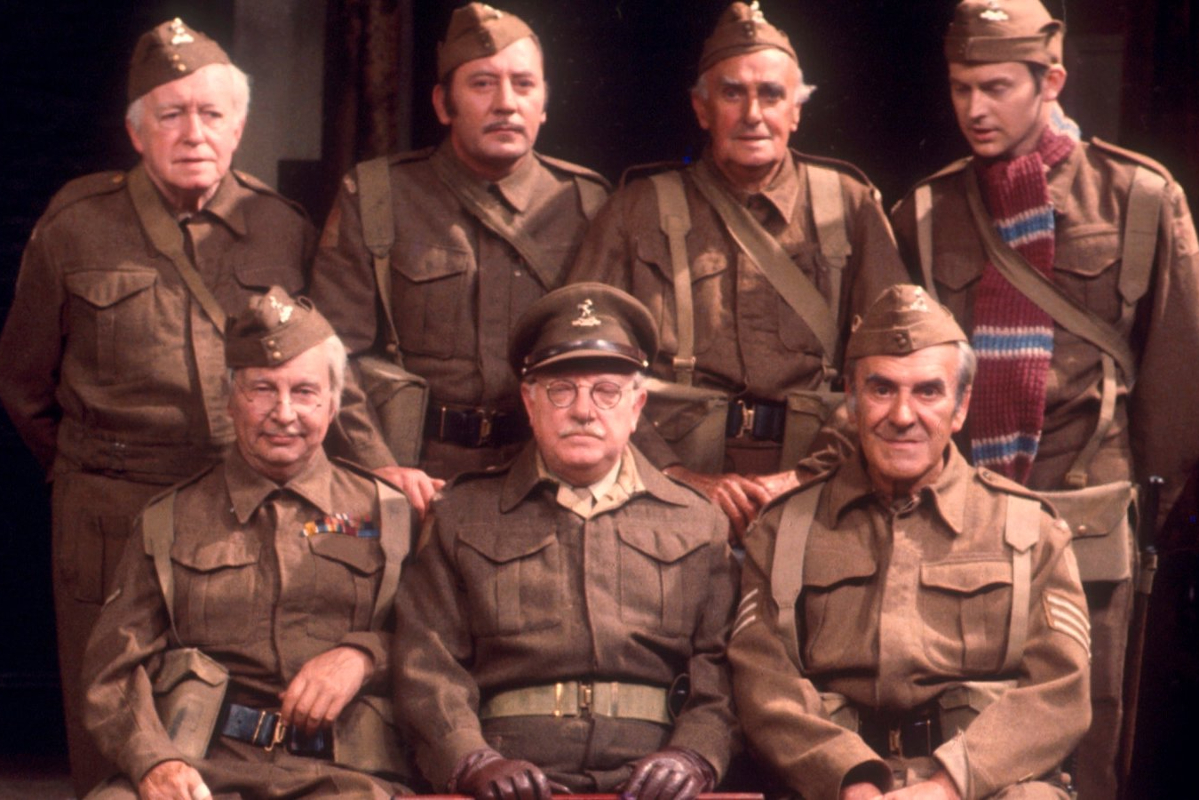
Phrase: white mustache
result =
(586, 429)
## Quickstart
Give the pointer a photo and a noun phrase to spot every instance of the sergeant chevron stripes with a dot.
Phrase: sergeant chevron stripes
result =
(1065, 616)
(747, 613)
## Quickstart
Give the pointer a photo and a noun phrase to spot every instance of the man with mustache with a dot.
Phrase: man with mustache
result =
(1107, 235)
(911, 626)
(474, 231)
(765, 337)
(562, 625)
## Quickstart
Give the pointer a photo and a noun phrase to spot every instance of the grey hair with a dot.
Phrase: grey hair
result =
(967, 366)
(241, 98)
(802, 93)
(336, 357)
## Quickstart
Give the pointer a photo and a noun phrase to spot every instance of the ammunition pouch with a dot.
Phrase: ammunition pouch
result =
(692, 420)
(1101, 521)
(399, 399)
(808, 410)
(189, 690)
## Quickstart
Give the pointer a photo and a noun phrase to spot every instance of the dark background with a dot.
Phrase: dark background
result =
(619, 71)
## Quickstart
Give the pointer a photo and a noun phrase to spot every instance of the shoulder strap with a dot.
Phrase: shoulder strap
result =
(786, 571)
(923, 198)
(158, 534)
(828, 212)
(675, 220)
(1021, 531)
(1048, 297)
(395, 537)
(1140, 236)
(378, 233)
(780, 270)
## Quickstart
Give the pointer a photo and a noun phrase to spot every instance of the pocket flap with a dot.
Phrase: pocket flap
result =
(364, 556)
(206, 556)
(187, 663)
(420, 262)
(826, 566)
(103, 288)
(1095, 510)
(1087, 250)
(966, 577)
(676, 410)
(956, 270)
(501, 543)
(663, 546)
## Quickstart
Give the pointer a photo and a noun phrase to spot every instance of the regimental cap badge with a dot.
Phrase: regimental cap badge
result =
(758, 16)
(993, 12)
(283, 308)
(919, 300)
(179, 33)
(587, 317)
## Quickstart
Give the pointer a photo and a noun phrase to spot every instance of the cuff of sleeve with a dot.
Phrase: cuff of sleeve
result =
(876, 772)
(449, 753)
(712, 743)
(144, 752)
(844, 757)
(956, 761)
(378, 647)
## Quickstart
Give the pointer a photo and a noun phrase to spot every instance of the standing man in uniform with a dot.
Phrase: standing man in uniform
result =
(564, 622)
(464, 238)
(113, 352)
(274, 572)
(1089, 283)
(775, 251)
(908, 622)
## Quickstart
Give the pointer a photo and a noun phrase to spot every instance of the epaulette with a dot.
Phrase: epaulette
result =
(1008, 486)
(255, 185)
(350, 179)
(1135, 157)
(97, 183)
(494, 471)
(835, 163)
(362, 472)
(949, 169)
(645, 170)
(812, 482)
(183, 484)
(574, 169)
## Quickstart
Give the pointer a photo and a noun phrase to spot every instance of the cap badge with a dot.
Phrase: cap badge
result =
(489, 10)
(759, 17)
(994, 13)
(919, 304)
(587, 317)
(283, 308)
(180, 34)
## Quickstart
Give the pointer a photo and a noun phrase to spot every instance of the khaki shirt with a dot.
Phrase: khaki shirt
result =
(1156, 430)
(257, 587)
(512, 588)
(899, 606)
(110, 364)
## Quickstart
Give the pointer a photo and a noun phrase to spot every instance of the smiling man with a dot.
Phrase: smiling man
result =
(563, 624)
(1074, 266)
(113, 350)
(909, 623)
(430, 257)
(774, 251)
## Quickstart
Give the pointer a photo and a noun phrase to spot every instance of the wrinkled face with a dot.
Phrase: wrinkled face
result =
(750, 111)
(495, 108)
(998, 107)
(281, 414)
(188, 133)
(904, 409)
(582, 441)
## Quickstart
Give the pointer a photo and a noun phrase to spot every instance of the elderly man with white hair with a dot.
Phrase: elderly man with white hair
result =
(113, 351)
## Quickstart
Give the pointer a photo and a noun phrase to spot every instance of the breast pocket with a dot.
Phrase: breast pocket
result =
(512, 577)
(1088, 269)
(345, 581)
(653, 281)
(217, 587)
(661, 572)
(431, 294)
(966, 606)
(838, 582)
(112, 315)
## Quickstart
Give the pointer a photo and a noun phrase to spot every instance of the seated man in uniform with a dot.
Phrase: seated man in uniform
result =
(274, 571)
(563, 623)
(922, 628)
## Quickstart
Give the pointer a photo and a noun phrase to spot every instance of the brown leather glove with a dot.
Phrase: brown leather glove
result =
(673, 773)
(487, 775)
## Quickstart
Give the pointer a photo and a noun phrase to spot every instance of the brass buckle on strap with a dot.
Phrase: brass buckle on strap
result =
(586, 698)
(486, 417)
(747, 419)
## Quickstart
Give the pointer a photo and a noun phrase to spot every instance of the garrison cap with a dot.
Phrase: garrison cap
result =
(274, 328)
(167, 53)
(902, 319)
(742, 29)
(1004, 30)
(476, 31)
(583, 321)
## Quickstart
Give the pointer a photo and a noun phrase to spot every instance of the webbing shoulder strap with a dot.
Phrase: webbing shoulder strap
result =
(158, 534)
(675, 220)
(1141, 220)
(923, 198)
(828, 212)
(1021, 531)
(378, 233)
(395, 537)
(786, 571)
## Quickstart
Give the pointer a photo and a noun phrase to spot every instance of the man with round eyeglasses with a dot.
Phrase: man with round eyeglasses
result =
(562, 625)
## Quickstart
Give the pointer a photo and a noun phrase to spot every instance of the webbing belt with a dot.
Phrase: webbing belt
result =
(579, 699)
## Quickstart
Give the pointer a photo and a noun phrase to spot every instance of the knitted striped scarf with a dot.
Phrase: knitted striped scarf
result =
(1012, 337)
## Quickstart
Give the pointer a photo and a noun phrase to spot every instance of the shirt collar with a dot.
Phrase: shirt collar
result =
(249, 489)
(782, 191)
(851, 486)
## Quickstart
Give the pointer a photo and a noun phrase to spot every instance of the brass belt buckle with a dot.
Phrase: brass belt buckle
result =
(895, 741)
(485, 424)
(586, 697)
(747, 420)
(279, 735)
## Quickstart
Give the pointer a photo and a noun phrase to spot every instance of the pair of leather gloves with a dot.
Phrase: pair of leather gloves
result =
(673, 773)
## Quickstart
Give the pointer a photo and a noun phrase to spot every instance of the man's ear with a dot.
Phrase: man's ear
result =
(439, 106)
(135, 136)
(700, 106)
(959, 414)
(638, 404)
(1053, 82)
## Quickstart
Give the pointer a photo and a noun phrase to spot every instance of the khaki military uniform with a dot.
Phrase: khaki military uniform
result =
(748, 340)
(115, 376)
(457, 288)
(1156, 428)
(514, 587)
(901, 606)
(262, 590)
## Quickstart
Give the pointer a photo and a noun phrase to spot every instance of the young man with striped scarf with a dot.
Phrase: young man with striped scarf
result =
(1073, 266)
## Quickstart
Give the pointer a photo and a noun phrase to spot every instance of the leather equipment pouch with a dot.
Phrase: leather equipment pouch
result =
(960, 705)
(399, 399)
(1101, 520)
(365, 738)
(692, 421)
(188, 692)
(807, 412)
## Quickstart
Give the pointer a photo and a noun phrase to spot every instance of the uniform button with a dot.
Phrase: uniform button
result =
(516, 272)
(277, 355)
(1083, 530)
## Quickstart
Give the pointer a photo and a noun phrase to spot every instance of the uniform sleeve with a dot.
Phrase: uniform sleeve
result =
(355, 434)
(436, 698)
(874, 263)
(123, 651)
(1001, 747)
(780, 710)
(1165, 418)
(605, 254)
(31, 350)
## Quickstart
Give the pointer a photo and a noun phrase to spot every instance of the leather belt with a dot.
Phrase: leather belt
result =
(265, 729)
(475, 427)
(581, 699)
(762, 420)
(910, 734)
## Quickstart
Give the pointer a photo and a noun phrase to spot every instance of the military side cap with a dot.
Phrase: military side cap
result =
(274, 328)
(169, 52)
(902, 319)
(583, 321)
(477, 31)
(742, 29)
(1004, 30)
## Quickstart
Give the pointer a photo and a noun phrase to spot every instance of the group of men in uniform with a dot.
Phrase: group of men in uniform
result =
(743, 329)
